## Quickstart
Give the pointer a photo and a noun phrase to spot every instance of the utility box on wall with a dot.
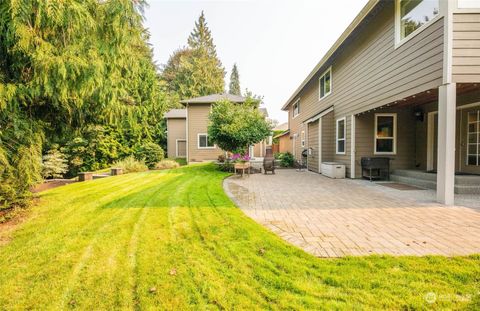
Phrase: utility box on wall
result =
(333, 170)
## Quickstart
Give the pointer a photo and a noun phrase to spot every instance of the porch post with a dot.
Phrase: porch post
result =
(446, 143)
(352, 147)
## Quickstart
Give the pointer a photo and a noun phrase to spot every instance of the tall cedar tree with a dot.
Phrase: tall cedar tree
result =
(195, 70)
(234, 87)
(66, 66)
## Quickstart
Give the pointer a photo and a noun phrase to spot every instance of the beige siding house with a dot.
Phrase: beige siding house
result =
(187, 130)
(402, 81)
(176, 133)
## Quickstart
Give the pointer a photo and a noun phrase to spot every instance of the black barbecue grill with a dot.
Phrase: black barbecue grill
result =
(376, 167)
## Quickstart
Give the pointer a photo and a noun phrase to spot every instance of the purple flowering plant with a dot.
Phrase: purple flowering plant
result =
(237, 157)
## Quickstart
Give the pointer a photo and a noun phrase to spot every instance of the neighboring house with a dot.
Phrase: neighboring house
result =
(402, 81)
(187, 130)
(282, 140)
(284, 143)
(176, 133)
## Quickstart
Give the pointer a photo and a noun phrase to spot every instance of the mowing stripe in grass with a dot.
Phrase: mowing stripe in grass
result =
(177, 231)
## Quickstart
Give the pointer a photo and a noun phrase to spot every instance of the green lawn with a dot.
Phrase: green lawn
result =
(173, 240)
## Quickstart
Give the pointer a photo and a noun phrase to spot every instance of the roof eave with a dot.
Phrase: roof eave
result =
(282, 134)
(358, 19)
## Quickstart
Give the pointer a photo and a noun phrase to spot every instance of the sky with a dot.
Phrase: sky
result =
(275, 44)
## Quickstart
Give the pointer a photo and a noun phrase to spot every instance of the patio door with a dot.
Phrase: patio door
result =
(432, 144)
(470, 145)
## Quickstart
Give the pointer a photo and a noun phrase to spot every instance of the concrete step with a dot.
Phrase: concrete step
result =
(467, 189)
(463, 184)
(416, 174)
(467, 180)
(422, 183)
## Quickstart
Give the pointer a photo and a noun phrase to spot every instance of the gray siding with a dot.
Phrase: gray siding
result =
(197, 117)
(374, 73)
(370, 72)
(313, 143)
(328, 137)
(176, 129)
(406, 130)
(466, 47)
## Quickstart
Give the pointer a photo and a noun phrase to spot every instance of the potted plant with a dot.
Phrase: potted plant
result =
(242, 162)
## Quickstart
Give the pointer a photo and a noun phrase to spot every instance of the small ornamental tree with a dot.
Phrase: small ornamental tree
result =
(235, 127)
(54, 164)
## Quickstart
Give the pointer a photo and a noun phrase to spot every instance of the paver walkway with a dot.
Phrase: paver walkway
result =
(332, 218)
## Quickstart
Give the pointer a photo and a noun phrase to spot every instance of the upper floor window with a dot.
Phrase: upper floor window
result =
(385, 133)
(325, 83)
(341, 136)
(296, 108)
(469, 4)
(411, 15)
(204, 142)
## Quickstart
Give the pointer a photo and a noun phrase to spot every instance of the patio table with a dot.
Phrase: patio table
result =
(242, 166)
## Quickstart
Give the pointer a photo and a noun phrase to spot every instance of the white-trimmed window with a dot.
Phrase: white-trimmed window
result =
(473, 137)
(296, 108)
(325, 84)
(341, 136)
(204, 142)
(303, 139)
(412, 15)
(469, 4)
(385, 133)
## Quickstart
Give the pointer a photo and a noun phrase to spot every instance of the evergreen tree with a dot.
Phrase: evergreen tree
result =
(54, 164)
(195, 70)
(201, 37)
(234, 81)
(66, 66)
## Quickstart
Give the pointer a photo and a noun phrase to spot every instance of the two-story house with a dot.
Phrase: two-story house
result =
(187, 130)
(402, 81)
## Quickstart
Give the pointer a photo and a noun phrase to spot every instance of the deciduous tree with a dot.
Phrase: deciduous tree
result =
(235, 127)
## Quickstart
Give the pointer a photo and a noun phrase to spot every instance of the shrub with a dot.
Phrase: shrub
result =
(166, 164)
(92, 149)
(221, 158)
(227, 165)
(131, 165)
(286, 159)
(151, 153)
(181, 161)
(54, 164)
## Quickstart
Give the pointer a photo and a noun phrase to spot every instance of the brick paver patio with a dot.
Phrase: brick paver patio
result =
(332, 218)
